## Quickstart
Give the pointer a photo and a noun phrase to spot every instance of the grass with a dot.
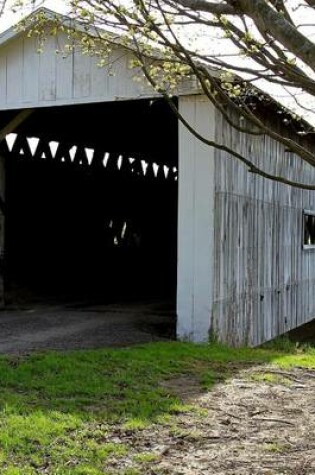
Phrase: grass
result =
(57, 408)
(145, 458)
(275, 447)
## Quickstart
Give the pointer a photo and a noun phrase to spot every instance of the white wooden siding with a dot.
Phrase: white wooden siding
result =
(32, 79)
(195, 222)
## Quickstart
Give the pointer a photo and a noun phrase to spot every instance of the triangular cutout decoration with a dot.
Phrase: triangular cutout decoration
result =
(10, 140)
(98, 160)
(112, 164)
(53, 147)
(21, 147)
(33, 144)
(150, 171)
(43, 151)
(105, 159)
(160, 173)
(63, 154)
(80, 157)
(126, 166)
(172, 174)
(137, 168)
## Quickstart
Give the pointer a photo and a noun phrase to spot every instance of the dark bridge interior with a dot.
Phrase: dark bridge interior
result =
(91, 203)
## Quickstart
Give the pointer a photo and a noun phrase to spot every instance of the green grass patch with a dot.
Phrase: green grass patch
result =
(275, 447)
(146, 457)
(57, 409)
(270, 378)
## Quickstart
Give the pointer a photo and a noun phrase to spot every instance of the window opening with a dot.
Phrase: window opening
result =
(309, 229)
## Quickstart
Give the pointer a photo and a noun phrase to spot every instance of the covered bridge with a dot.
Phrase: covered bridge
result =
(104, 194)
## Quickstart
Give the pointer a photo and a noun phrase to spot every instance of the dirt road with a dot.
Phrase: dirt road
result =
(83, 326)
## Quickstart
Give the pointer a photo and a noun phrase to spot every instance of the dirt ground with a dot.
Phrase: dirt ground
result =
(244, 426)
(81, 326)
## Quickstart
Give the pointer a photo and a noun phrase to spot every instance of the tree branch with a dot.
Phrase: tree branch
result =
(269, 21)
(209, 7)
(211, 143)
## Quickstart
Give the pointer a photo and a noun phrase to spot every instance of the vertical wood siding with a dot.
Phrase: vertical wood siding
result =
(264, 280)
(32, 79)
(195, 221)
(2, 229)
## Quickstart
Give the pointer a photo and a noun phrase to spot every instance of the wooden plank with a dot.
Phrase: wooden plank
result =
(3, 78)
(64, 70)
(47, 70)
(115, 74)
(31, 61)
(99, 79)
(81, 75)
(14, 71)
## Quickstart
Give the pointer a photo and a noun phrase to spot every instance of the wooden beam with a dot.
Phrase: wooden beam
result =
(15, 122)
(7, 129)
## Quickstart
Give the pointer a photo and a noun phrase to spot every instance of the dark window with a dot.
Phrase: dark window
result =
(309, 228)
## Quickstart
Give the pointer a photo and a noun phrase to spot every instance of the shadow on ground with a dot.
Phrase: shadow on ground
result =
(303, 334)
(82, 325)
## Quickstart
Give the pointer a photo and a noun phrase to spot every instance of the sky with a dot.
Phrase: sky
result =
(10, 18)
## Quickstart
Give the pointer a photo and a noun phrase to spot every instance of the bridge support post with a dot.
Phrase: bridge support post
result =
(195, 221)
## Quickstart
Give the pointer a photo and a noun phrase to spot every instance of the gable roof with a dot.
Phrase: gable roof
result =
(14, 32)
(126, 87)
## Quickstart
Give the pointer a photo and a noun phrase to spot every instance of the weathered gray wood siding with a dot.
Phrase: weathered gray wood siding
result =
(264, 282)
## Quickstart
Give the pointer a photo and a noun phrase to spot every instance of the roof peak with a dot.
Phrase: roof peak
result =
(13, 31)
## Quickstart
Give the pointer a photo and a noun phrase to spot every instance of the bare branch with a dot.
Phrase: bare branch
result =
(268, 21)
(311, 3)
(211, 143)
(209, 7)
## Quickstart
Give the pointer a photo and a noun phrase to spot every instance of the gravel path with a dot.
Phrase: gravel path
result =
(244, 426)
(82, 326)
